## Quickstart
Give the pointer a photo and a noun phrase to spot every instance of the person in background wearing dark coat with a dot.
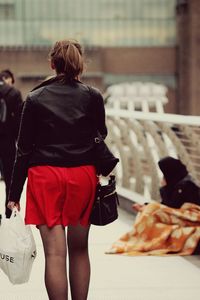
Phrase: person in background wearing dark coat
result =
(178, 185)
(11, 101)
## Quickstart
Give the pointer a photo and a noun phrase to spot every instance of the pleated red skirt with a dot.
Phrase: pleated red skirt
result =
(59, 195)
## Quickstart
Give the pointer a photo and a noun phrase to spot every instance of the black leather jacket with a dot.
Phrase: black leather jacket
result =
(58, 124)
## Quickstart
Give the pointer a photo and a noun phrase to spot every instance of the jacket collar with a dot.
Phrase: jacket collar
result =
(57, 78)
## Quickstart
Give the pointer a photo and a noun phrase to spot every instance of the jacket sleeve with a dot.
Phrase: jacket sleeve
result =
(99, 113)
(25, 145)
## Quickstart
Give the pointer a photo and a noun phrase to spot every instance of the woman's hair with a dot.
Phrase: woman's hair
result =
(67, 57)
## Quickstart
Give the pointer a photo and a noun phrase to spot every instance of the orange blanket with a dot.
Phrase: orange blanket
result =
(161, 230)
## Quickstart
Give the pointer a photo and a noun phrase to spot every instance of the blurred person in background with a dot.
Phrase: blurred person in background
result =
(56, 149)
(10, 105)
(8, 77)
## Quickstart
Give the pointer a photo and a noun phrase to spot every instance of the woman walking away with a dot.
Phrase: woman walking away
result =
(60, 119)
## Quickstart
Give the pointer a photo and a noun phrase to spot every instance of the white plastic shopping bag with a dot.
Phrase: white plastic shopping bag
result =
(17, 248)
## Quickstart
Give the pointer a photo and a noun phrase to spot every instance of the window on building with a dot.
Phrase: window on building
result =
(93, 22)
(7, 11)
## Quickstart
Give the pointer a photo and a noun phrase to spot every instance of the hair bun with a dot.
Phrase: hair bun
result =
(67, 58)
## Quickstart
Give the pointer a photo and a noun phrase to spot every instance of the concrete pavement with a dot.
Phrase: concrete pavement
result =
(116, 277)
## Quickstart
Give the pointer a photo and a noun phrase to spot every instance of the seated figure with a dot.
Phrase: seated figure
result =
(170, 227)
(178, 185)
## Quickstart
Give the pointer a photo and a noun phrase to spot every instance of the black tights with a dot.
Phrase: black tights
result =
(79, 263)
(55, 249)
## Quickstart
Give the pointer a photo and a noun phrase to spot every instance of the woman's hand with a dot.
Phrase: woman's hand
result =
(12, 204)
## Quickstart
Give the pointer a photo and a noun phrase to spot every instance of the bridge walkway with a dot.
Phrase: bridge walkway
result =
(116, 277)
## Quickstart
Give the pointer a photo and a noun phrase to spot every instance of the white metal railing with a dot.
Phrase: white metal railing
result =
(134, 96)
(140, 139)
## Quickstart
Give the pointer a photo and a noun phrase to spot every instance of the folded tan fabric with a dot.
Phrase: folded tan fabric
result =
(161, 230)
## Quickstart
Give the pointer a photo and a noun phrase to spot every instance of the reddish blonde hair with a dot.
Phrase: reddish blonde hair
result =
(67, 57)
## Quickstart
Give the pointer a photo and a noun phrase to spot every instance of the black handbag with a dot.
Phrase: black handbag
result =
(105, 161)
(105, 205)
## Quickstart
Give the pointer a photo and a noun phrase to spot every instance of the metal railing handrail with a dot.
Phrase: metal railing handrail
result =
(157, 117)
(140, 139)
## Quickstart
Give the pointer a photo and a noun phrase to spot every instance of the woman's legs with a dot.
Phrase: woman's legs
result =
(54, 242)
(79, 264)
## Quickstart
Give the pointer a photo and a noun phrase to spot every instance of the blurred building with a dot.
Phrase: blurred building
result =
(125, 40)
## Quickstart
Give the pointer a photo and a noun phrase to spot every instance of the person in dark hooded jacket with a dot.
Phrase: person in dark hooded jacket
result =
(178, 185)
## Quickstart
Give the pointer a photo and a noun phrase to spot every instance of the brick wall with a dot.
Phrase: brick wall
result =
(31, 65)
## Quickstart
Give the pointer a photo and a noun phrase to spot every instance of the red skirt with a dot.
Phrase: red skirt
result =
(59, 195)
